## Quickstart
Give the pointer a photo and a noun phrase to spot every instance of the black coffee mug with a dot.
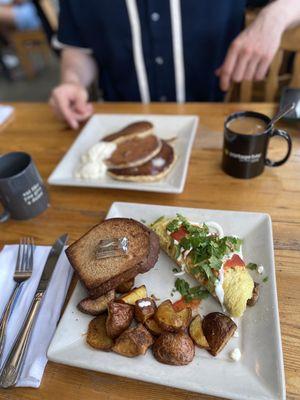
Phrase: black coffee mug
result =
(22, 192)
(244, 156)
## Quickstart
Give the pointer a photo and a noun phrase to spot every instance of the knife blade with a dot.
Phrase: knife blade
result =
(50, 264)
(14, 362)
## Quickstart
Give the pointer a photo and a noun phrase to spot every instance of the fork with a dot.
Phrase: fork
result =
(23, 271)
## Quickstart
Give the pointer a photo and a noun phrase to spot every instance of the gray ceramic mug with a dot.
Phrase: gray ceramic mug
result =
(22, 192)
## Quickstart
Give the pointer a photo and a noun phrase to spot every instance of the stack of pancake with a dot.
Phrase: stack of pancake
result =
(140, 155)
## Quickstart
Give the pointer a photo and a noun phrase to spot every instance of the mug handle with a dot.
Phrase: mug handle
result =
(4, 216)
(286, 136)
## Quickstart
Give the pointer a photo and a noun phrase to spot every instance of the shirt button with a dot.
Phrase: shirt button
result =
(155, 17)
(163, 98)
(159, 60)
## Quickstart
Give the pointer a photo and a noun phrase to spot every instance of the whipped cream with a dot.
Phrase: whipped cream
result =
(93, 161)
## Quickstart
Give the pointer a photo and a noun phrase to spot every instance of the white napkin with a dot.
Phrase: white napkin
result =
(46, 321)
(5, 113)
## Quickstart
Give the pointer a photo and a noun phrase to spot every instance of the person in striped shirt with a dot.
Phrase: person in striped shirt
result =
(162, 50)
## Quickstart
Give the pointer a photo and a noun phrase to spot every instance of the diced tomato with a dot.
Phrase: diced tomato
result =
(182, 304)
(180, 234)
(234, 261)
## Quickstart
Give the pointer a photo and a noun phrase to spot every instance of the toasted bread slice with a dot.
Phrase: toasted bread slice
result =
(96, 306)
(101, 275)
(137, 128)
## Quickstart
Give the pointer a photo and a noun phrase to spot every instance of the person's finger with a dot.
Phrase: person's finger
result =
(262, 68)
(228, 66)
(251, 69)
(64, 106)
(241, 65)
(80, 101)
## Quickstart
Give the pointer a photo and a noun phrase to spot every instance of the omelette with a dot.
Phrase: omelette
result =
(214, 260)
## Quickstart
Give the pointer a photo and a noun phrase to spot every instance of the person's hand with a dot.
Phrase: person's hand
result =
(70, 103)
(251, 53)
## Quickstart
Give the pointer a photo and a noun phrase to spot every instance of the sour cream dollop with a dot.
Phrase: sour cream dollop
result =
(235, 354)
(92, 162)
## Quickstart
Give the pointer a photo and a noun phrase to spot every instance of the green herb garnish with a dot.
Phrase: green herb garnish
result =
(173, 225)
(252, 266)
(175, 270)
(157, 220)
(207, 251)
(190, 293)
(266, 278)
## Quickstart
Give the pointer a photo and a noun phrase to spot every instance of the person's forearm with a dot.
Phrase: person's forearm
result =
(77, 67)
(284, 13)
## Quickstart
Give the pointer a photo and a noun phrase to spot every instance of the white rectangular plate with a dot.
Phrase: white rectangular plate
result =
(100, 125)
(258, 375)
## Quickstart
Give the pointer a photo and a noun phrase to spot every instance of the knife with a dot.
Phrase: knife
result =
(14, 362)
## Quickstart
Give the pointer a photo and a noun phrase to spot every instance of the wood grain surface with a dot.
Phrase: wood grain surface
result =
(277, 192)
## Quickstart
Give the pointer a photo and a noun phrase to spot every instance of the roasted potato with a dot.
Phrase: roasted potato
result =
(97, 336)
(124, 287)
(255, 295)
(134, 295)
(218, 328)
(186, 317)
(196, 333)
(96, 306)
(170, 320)
(174, 348)
(144, 309)
(119, 318)
(133, 342)
(153, 326)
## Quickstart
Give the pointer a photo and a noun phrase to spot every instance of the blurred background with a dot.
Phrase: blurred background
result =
(29, 56)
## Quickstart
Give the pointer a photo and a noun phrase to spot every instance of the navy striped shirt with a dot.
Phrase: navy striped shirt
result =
(154, 50)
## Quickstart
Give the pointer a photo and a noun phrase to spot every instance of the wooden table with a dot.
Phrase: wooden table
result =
(75, 210)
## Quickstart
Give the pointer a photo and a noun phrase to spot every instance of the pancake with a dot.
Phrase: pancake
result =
(153, 170)
(140, 128)
(134, 152)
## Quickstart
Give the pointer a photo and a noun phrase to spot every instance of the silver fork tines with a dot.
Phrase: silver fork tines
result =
(113, 247)
(23, 271)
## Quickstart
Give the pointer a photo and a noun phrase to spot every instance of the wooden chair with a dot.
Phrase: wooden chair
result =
(29, 43)
(268, 91)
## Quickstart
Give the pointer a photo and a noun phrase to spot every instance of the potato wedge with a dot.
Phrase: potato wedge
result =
(153, 326)
(119, 318)
(133, 342)
(185, 316)
(218, 328)
(174, 348)
(96, 306)
(196, 333)
(125, 286)
(134, 295)
(169, 320)
(255, 295)
(97, 336)
(144, 309)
